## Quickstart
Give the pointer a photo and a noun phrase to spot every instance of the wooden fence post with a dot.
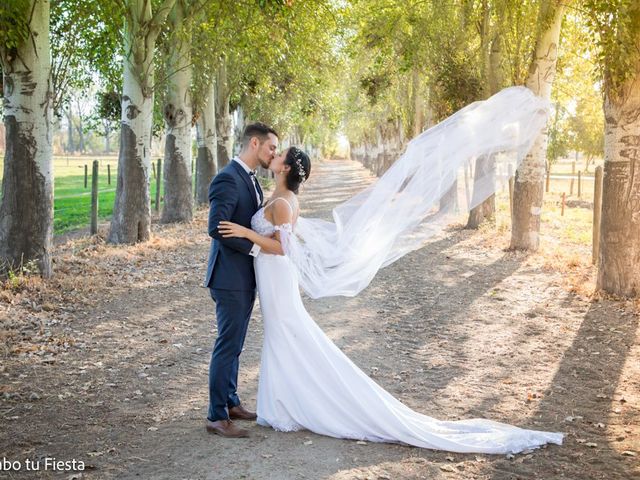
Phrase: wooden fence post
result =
(562, 208)
(158, 180)
(548, 179)
(573, 174)
(579, 183)
(86, 175)
(597, 213)
(94, 198)
(153, 165)
(108, 174)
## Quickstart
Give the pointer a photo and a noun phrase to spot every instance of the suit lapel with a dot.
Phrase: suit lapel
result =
(247, 180)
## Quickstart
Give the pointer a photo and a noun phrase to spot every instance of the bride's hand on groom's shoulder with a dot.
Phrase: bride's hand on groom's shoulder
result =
(230, 229)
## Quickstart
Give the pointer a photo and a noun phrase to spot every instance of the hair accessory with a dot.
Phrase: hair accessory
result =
(297, 156)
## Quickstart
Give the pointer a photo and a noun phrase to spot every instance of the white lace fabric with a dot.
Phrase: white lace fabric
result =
(261, 225)
(285, 227)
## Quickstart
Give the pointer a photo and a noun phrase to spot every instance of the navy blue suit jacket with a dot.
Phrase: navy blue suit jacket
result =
(232, 197)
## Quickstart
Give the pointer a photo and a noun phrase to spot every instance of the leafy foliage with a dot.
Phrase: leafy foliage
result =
(363, 67)
(84, 42)
(14, 26)
(578, 121)
(280, 58)
(616, 27)
(15, 18)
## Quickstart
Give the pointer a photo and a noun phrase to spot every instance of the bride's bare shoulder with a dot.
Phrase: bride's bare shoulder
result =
(281, 209)
(285, 199)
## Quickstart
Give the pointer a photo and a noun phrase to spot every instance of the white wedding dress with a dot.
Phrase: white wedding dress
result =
(306, 382)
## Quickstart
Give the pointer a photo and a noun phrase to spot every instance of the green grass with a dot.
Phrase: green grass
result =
(575, 227)
(564, 166)
(74, 211)
(72, 202)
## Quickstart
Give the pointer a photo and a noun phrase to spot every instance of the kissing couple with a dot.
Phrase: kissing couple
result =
(305, 381)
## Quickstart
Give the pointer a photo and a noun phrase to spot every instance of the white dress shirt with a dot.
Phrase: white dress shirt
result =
(256, 248)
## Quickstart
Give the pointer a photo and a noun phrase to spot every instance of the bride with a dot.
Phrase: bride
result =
(305, 381)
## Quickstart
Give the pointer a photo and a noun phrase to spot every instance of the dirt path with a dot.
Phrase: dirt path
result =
(457, 329)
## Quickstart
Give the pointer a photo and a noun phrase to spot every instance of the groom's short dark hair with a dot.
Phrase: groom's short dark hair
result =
(258, 129)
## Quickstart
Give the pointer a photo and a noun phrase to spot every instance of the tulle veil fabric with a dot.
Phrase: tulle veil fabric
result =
(417, 196)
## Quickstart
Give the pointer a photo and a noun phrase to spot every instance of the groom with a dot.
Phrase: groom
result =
(234, 195)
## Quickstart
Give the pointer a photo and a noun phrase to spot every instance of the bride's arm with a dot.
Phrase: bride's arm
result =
(281, 215)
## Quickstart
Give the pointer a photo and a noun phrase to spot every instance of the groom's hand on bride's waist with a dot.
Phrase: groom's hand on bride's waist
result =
(229, 230)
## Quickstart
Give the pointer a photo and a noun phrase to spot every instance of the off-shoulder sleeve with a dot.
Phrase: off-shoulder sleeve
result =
(285, 227)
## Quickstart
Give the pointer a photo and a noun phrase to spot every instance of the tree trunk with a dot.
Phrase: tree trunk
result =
(485, 46)
(619, 260)
(485, 165)
(529, 181)
(485, 210)
(206, 163)
(224, 125)
(80, 128)
(70, 144)
(178, 193)
(107, 138)
(587, 162)
(239, 124)
(418, 105)
(131, 221)
(26, 211)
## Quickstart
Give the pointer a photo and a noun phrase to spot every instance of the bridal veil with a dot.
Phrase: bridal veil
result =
(417, 196)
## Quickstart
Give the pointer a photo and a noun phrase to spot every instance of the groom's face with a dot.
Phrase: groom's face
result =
(267, 150)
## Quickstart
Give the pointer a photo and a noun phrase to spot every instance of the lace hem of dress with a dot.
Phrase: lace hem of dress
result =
(285, 227)
(281, 427)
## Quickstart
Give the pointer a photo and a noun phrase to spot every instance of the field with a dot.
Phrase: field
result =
(72, 202)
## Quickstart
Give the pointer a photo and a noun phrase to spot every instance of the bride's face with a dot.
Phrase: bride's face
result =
(277, 165)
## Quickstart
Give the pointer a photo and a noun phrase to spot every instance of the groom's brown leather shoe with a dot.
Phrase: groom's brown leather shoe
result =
(241, 413)
(226, 428)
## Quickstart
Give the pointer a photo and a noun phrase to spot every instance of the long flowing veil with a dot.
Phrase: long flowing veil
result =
(417, 195)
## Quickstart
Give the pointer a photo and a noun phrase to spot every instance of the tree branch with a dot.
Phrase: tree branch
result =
(168, 76)
(158, 19)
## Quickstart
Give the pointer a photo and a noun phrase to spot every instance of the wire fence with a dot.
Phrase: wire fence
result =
(73, 180)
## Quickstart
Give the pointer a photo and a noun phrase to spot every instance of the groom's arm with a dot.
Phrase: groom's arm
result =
(223, 198)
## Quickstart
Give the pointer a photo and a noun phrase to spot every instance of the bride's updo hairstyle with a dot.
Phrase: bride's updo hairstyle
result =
(300, 168)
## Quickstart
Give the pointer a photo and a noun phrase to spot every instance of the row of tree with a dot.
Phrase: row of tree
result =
(379, 70)
(421, 61)
(162, 65)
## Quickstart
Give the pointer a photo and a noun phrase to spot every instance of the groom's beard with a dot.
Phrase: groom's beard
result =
(263, 163)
